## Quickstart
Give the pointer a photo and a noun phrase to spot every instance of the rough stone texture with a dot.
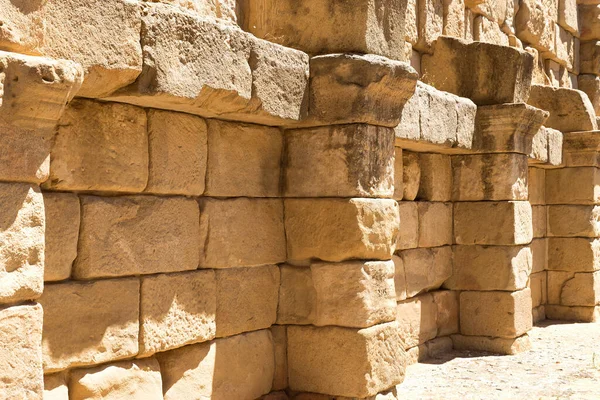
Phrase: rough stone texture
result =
(22, 27)
(338, 161)
(55, 386)
(589, 61)
(241, 232)
(573, 186)
(574, 221)
(417, 320)
(89, 323)
(100, 146)
(495, 314)
(589, 23)
(490, 268)
(136, 235)
(20, 352)
(581, 149)
(411, 175)
(430, 23)
(590, 85)
(408, 235)
(492, 344)
(533, 26)
(435, 224)
(318, 359)
(62, 212)
(280, 376)
(574, 254)
(539, 290)
(340, 229)
(177, 309)
(246, 299)
(237, 367)
(568, 16)
(297, 296)
(21, 242)
(399, 278)
(136, 380)
(426, 269)
(177, 153)
(436, 177)
(493, 223)
(447, 311)
(573, 289)
(488, 31)
(222, 10)
(555, 147)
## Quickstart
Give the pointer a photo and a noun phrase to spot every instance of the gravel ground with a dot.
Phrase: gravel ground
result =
(564, 363)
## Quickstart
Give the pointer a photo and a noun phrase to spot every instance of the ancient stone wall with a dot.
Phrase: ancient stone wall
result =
(243, 199)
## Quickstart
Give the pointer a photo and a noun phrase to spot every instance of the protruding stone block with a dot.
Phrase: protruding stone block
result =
(411, 172)
(340, 229)
(241, 232)
(436, 177)
(492, 344)
(408, 235)
(21, 28)
(574, 254)
(426, 269)
(447, 311)
(573, 186)
(429, 24)
(574, 221)
(89, 323)
(338, 161)
(435, 224)
(373, 358)
(417, 320)
(62, 211)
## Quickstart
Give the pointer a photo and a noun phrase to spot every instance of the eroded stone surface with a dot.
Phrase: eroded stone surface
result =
(62, 211)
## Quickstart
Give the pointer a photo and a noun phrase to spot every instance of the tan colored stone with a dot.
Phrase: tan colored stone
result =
(589, 58)
(538, 314)
(565, 50)
(89, 323)
(340, 229)
(447, 311)
(570, 110)
(237, 367)
(409, 128)
(136, 380)
(555, 146)
(223, 10)
(417, 320)
(411, 175)
(136, 235)
(399, 278)
(21, 242)
(539, 252)
(573, 186)
(337, 161)
(280, 376)
(430, 23)
(489, 177)
(398, 174)
(539, 221)
(435, 224)
(494, 10)
(436, 177)
(574, 289)
(554, 284)
(581, 150)
(590, 85)
(297, 296)
(454, 18)
(573, 254)
(539, 72)
(20, 352)
(21, 27)
(589, 22)
(538, 287)
(343, 361)
(490, 268)
(55, 387)
(581, 314)
(488, 31)
(177, 153)
(426, 269)
(537, 186)
(246, 299)
(492, 345)
(62, 211)
(495, 223)
(574, 221)
(533, 26)
(438, 346)
(100, 146)
(539, 147)
(495, 314)
(408, 235)
(411, 21)
(241, 232)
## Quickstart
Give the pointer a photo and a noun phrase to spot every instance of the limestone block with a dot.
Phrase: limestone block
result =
(492, 345)
(555, 282)
(581, 314)
(573, 186)
(408, 235)
(447, 311)
(538, 287)
(565, 49)
(223, 10)
(488, 31)
(539, 255)
(338, 161)
(241, 232)
(495, 223)
(411, 22)
(581, 149)
(426, 269)
(435, 224)
(21, 242)
(246, 299)
(590, 85)
(243, 160)
(536, 186)
(409, 128)
(177, 153)
(449, 69)
(26, 155)
(20, 352)
(398, 174)
(136, 380)
(489, 177)
(578, 289)
(539, 147)
(555, 146)
(21, 27)
(411, 172)
(136, 235)
(539, 221)
(62, 213)
(297, 296)
(56, 386)
(533, 26)
(574, 221)
(590, 58)
(340, 229)
(100, 146)
(454, 18)
(280, 376)
(494, 10)
(490, 268)
(237, 367)
(345, 362)
(570, 110)
(436, 177)
(399, 278)
(573, 254)
(495, 314)
(89, 323)
(430, 23)
(589, 22)
(417, 320)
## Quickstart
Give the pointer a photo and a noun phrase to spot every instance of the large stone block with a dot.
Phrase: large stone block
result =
(89, 323)
(581, 149)
(398, 174)
(570, 109)
(340, 229)
(297, 296)
(62, 212)
(399, 278)
(411, 175)
(447, 305)
(246, 299)
(533, 26)
(21, 27)
(430, 23)
(237, 367)
(492, 344)
(589, 61)
(426, 269)
(222, 10)
(338, 161)
(435, 224)
(493, 223)
(20, 352)
(177, 309)
(136, 235)
(135, 380)
(417, 320)
(573, 254)
(539, 255)
(436, 177)
(568, 17)
(590, 85)
(241, 232)
(488, 31)
(495, 314)
(490, 268)
(100, 146)
(539, 291)
(371, 359)
(589, 21)
(536, 185)
(469, 70)
(574, 221)
(408, 235)
(573, 185)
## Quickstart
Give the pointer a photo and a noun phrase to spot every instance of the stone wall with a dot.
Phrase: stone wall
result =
(271, 199)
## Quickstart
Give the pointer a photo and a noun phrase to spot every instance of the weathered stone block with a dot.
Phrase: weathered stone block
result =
(222, 10)
(426, 269)
(538, 287)
(454, 18)
(338, 161)
(340, 229)
(435, 224)
(490, 268)
(570, 110)
(574, 289)
(590, 85)
(297, 296)
(398, 174)
(589, 22)
(447, 311)
(539, 147)
(241, 232)
(567, 15)
(399, 278)
(280, 376)
(533, 26)
(411, 172)
(56, 386)
(373, 359)
(539, 221)
(589, 61)
(555, 146)
(21, 27)
(100, 146)
(581, 314)
(136, 235)
(62, 212)
(408, 235)
(495, 314)
(89, 323)
(246, 299)
(436, 177)
(488, 31)
(430, 23)
(493, 223)
(136, 380)
(573, 254)
(417, 320)
(574, 220)
(573, 186)
(492, 344)
(539, 254)
(536, 186)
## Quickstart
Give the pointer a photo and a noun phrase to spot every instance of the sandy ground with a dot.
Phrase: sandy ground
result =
(564, 363)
